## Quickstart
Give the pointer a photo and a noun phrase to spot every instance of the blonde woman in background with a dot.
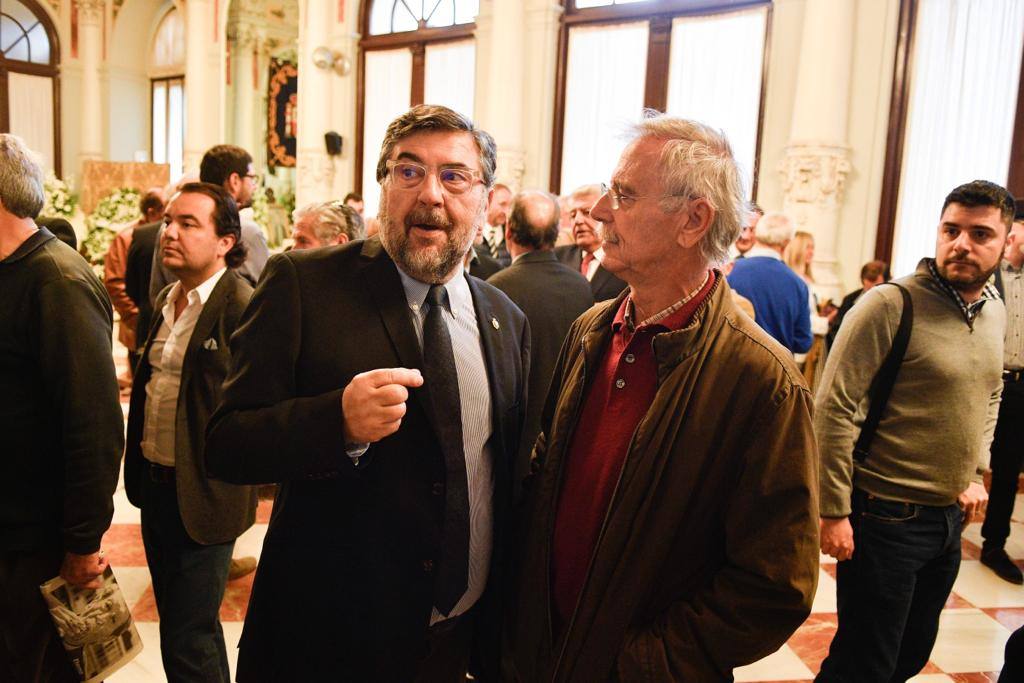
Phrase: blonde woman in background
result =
(799, 255)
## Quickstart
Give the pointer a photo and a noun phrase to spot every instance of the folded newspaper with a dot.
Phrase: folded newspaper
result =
(95, 625)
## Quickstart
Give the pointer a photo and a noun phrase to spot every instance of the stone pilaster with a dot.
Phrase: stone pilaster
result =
(817, 158)
(90, 55)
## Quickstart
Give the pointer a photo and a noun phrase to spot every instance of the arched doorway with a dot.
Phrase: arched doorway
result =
(29, 78)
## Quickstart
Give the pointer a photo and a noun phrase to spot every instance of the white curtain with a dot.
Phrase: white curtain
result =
(30, 104)
(388, 81)
(450, 75)
(963, 93)
(715, 77)
(604, 93)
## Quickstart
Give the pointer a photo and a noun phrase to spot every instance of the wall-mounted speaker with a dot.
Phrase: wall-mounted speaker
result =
(333, 142)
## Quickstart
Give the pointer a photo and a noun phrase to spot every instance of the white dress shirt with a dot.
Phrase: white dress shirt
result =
(594, 262)
(475, 400)
(166, 356)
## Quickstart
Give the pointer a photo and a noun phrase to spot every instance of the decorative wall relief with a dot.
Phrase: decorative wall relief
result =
(282, 113)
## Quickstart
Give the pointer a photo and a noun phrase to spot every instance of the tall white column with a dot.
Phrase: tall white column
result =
(246, 96)
(203, 95)
(499, 102)
(90, 55)
(817, 157)
(541, 60)
(314, 168)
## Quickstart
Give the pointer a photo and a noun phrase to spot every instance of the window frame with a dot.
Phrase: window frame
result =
(416, 41)
(50, 70)
(167, 110)
(899, 105)
(659, 15)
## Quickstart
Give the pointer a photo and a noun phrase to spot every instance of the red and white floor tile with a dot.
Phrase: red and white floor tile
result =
(979, 616)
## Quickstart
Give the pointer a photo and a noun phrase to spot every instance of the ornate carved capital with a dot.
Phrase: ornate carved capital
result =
(511, 166)
(815, 174)
(315, 171)
(90, 11)
(243, 36)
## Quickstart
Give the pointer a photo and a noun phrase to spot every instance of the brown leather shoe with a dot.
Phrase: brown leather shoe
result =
(240, 567)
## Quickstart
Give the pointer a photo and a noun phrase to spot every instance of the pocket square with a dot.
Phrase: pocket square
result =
(210, 344)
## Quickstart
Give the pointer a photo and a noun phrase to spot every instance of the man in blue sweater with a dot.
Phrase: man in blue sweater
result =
(778, 294)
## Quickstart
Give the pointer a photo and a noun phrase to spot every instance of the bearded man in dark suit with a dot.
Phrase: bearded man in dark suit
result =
(384, 389)
(551, 294)
(586, 255)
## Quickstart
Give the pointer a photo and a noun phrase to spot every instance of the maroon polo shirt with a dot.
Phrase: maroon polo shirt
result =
(624, 385)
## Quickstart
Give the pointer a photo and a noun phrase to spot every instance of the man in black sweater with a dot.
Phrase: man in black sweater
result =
(60, 419)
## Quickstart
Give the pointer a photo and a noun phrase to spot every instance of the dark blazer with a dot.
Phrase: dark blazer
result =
(344, 589)
(844, 307)
(604, 285)
(552, 296)
(138, 270)
(503, 259)
(211, 511)
(483, 266)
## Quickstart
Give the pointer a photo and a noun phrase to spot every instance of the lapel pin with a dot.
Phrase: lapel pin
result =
(494, 322)
(210, 344)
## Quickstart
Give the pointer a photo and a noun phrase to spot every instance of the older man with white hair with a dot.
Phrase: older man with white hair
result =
(322, 224)
(672, 531)
(779, 295)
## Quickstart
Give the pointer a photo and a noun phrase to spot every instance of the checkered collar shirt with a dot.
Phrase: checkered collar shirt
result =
(630, 312)
(971, 310)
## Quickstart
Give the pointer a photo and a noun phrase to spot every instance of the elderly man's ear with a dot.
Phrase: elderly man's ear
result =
(698, 215)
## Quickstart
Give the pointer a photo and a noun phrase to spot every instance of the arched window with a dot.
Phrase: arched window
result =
(426, 44)
(701, 59)
(167, 92)
(29, 90)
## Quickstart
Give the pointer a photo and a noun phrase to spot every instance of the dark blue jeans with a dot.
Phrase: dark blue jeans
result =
(188, 582)
(891, 592)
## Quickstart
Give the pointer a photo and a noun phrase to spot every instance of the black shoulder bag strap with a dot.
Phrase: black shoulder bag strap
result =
(885, 379)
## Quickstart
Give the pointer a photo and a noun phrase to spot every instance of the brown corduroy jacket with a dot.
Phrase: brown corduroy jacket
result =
(708, 556)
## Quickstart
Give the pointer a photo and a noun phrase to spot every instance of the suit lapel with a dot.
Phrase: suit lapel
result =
(600, 279)
(212, 311)
(492, 340)
(381, 275)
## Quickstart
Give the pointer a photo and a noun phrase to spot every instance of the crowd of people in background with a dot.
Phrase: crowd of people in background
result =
(510, 434)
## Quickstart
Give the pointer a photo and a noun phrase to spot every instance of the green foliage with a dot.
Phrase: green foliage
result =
(114, 211)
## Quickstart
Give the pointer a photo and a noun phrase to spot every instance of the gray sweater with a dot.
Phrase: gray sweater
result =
(940, 418)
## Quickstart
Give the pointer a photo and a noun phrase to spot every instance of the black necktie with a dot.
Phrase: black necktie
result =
(442, 385)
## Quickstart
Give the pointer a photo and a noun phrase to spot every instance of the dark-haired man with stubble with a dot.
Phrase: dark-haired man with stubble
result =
(189, 522)
(384, 389)
(892, 512)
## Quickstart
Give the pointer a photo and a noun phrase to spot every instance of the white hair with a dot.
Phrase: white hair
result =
(697, 161)
(775, 229)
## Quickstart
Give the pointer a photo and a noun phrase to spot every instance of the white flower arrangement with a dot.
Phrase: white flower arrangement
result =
(61, 202)
(261, 210)
(114, 211)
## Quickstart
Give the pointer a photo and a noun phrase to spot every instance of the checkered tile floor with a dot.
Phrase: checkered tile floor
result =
(979, 616)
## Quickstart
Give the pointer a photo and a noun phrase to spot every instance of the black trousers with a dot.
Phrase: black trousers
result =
(30, 649)
(445, 657)
(1007, 456)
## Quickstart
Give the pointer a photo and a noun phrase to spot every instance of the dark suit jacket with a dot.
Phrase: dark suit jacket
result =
(211, 511)
(604, 285)
(344, 588)
(503, 259)
(552, 296)
(483, 266)
(138, 269)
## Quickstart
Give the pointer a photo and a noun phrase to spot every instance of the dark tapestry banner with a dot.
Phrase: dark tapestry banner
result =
(283, 113)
